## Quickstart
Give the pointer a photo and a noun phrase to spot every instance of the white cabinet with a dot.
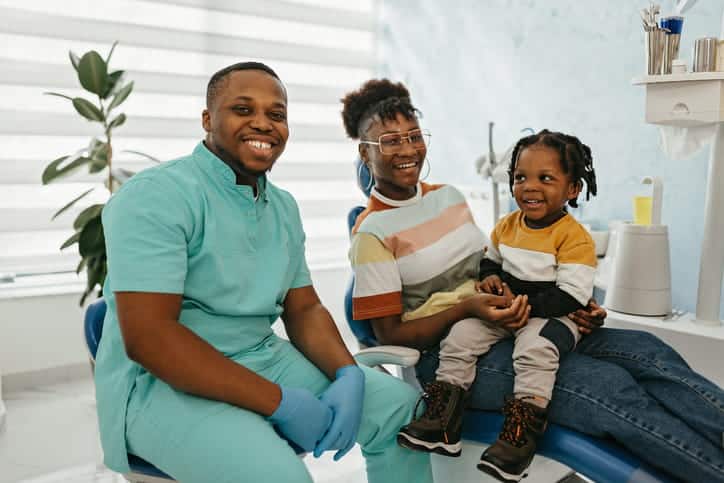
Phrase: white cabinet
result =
(684, 100)
(688, 100)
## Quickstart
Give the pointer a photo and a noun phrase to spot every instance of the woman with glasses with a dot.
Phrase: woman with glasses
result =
(416, 242)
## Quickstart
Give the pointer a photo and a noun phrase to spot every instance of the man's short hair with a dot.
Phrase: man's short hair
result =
(217, 80)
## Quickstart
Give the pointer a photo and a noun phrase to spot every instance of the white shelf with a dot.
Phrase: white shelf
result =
(685, 77)
(684, 100)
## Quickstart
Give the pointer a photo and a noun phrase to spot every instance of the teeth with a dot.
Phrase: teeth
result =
(406, 165)
(259, 144)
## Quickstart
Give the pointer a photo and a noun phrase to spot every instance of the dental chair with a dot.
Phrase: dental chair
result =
(602, 461)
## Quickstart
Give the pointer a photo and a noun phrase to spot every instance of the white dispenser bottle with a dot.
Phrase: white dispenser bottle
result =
(641, 278)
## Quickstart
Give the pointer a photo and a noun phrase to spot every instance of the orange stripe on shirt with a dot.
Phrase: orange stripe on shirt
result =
(425, 234)
(375, 306)
(375, 204)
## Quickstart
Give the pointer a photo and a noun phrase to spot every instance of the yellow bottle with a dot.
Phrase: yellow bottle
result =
(642, 210)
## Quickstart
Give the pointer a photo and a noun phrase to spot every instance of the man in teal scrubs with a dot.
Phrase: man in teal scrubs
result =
(204, 254)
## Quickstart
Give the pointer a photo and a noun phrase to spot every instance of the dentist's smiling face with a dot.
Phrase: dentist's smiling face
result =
(246, 123)
(540, 186)
(396, 175)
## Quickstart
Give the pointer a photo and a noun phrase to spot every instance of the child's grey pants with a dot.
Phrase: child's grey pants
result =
(539, 345)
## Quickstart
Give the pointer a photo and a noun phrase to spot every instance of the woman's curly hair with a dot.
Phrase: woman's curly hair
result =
(376, 97)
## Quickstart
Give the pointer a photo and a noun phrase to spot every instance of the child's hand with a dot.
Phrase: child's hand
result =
(507, 293)
(497, 309)
(491, 284)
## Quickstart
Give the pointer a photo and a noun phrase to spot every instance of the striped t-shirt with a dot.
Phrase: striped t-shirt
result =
(541, 262)
(404, 251)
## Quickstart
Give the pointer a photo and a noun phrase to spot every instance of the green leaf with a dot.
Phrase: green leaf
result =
(119, 120)
(70, 241)
(92, 241)
(98, 150)
(58, 94)
(98, 155)
(93, 211)
(113, 47)
(148, 156)
(97, 165)
(52, 171)
(92, 72)
(88, 110)
(74, 59)
(81, 264)
(71, 203)
(121, 96)
(112, 81)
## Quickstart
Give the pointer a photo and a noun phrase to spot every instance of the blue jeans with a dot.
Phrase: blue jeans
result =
(627, 385)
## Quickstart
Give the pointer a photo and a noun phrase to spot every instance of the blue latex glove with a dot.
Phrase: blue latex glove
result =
(301, 418)
(344, 396)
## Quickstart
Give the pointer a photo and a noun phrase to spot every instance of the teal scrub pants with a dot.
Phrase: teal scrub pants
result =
(197, 440)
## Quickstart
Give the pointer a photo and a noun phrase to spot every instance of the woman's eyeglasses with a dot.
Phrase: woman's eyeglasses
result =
(391, 143)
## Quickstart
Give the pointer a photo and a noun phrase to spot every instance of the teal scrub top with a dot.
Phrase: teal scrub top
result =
(185, 227)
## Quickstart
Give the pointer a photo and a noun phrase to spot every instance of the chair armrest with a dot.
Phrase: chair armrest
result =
(388, 354)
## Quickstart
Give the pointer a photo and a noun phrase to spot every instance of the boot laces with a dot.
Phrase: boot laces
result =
(518, 418)
(435, 398)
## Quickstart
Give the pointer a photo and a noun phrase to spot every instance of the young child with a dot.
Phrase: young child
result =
(539, 251)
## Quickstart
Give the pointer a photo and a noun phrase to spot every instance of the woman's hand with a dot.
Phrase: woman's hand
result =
(589, 318)
(509, 314)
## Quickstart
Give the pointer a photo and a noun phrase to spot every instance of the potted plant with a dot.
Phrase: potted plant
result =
(109, 91)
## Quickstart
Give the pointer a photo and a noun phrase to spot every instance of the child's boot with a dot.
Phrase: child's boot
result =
(509, 457)
(438, 429)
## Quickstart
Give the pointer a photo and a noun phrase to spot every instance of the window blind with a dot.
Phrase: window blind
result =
(169, 48)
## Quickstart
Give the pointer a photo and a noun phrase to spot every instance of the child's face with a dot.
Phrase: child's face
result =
(540, 186)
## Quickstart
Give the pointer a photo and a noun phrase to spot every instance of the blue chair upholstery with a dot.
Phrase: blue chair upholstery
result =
(93, 329)
(93, 325)
(601, 460)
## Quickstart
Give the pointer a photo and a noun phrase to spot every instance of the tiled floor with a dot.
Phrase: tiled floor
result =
(51, 436)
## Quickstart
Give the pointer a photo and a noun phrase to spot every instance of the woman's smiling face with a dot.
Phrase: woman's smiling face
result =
(396, 175)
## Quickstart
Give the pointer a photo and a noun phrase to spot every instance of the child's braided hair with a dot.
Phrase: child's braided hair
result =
(575, 159)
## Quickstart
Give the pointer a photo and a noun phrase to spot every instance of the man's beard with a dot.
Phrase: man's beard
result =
(236, 165)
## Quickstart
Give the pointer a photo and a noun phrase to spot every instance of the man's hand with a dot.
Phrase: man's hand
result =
(301, 417)
(344, 396)
(589, 318)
